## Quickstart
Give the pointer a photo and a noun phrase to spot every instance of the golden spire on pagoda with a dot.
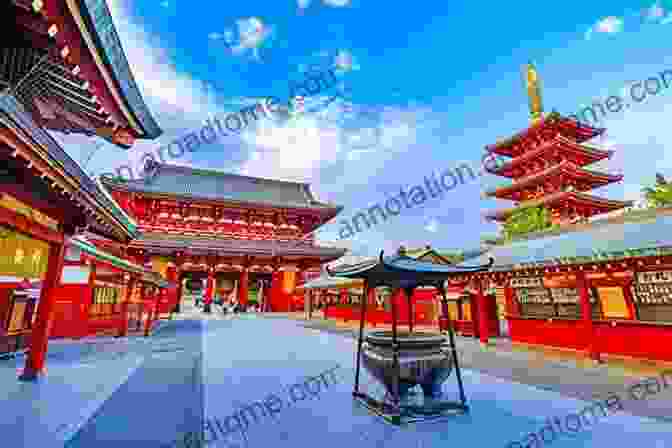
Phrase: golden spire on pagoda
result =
(533, 92)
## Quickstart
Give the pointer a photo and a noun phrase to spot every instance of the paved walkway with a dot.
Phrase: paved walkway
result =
(553, 370)
(147, 392)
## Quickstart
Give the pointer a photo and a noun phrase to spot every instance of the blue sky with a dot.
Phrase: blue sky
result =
(442, 80)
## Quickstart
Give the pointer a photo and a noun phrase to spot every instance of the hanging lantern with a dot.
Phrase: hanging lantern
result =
(289, 281)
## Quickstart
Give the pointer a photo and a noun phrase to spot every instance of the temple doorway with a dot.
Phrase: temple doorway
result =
(259, 289)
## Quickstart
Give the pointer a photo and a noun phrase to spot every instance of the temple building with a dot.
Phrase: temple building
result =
(62, 69)
(547, 166)
(226, 229)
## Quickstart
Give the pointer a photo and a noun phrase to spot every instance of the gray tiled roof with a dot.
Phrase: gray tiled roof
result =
(235, 247)
(606, 242)
(220, 186)
(99, 24)
(401, 265)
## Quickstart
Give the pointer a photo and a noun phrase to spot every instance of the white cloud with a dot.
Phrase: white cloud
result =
(337, 3)
(608, 25)
(345, 61)
(432, 226)
(294, 151)
(654, 13)
(252, 34)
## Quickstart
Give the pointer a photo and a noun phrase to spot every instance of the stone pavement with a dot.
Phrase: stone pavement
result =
(545, 369)
(151, 391)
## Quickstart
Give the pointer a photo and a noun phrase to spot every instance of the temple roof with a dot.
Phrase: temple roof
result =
(230, 247)
(186, 182)
(578, 154)
(599, 243)
(573, 128)
(74, 74)
(566, 168)
(99, 24)
(403, 271)
(428, 253)
(14, 116)
(601, 204)
(91, 250)
(148, 276)
(326, 281)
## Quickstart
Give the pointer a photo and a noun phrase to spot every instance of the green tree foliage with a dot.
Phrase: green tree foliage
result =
(527, 220)
(660, 195)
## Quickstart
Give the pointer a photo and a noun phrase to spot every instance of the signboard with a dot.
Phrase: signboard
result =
(528, 282)
(613, 302)
(22, 256)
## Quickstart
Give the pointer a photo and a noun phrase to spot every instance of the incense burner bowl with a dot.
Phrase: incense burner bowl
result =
(425, 359)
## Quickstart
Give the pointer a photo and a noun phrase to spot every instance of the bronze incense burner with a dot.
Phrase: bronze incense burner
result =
(424, 359)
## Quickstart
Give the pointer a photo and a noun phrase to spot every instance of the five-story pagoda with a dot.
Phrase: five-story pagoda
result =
(547, 166)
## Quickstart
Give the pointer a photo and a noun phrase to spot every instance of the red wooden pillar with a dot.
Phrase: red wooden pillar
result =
(153, 310)
(243, 282)
(344, 295)
(88, 299)
(123, 325)
(629, 300)
(276, 291)
(179, 292)
(482, 309)
(512, 307)
(209, 287)
(587, 316)
(45, 314)
(371, 303)
(173, 297)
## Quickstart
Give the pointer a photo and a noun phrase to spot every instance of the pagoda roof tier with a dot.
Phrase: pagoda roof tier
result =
(558, 147)
(565, 171)
(73, 70)
(175, 182)
(564, 199)
(48, 167)
(168, 244)
(548, 127)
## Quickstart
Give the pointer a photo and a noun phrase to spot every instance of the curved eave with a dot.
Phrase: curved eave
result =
(103, 256)
(330, 282)
(604, 205)
(354, 270)
(404, 264)
(565, 168)
(232, 248)
(327, 210)
(97, 24)
(401, 265)
(40, 144)
(584, 132)
(591, 155)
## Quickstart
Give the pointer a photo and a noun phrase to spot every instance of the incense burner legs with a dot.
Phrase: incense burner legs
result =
(424, 359)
